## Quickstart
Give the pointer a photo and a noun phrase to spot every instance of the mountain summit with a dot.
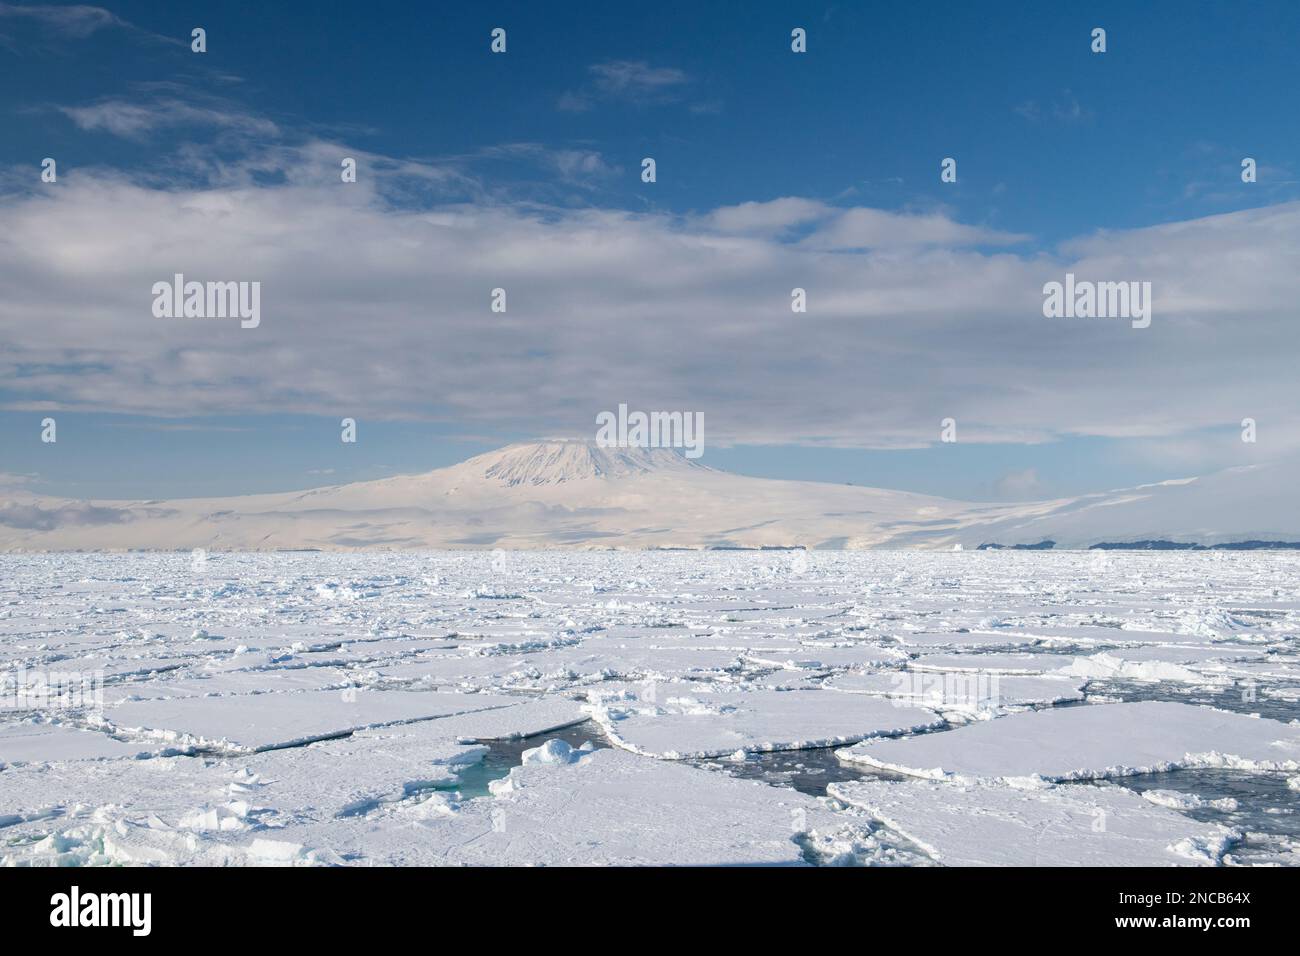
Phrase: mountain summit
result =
(557, 461)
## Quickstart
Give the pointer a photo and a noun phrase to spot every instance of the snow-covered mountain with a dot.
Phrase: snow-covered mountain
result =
(576, 494)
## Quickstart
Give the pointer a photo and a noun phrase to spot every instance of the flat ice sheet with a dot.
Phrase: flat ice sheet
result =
(679, 721)
(816, 658)
(960, 690)
(615, 808)
(990, 663)
(264, 721)
(980, 639)
(41, 743)
(524, 719)
(1063, 826)
(1089, 741)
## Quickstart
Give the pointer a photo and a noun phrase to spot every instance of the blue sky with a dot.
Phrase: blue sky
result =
(1065, 158)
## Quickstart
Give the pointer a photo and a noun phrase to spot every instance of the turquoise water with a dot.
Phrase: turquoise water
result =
(503, 755)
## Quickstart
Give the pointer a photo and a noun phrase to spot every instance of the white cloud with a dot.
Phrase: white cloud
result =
(632, 81)
(76, 20)
(580, 167)
(768, 218)
(376, 310)
(1064, 109)
(635, 77)
(129, 119)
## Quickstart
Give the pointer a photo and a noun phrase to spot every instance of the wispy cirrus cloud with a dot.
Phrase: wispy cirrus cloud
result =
(574, 166)
(74, 22)
(635, 78)
(630, 81)
(133, 119)
(1064, 108)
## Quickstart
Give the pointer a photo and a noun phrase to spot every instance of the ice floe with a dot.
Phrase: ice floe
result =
(1084, 742)
(968, 691)
(678, 721)
(264, 721)
(46, 743)
(613, 807)
(1063, 826)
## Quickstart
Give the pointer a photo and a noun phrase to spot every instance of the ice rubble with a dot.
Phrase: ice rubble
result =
(1186, 801)
(1091, 741)
(553, 751)
(1115, 666)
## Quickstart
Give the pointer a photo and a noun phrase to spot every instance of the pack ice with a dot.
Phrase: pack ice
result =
(654, 707)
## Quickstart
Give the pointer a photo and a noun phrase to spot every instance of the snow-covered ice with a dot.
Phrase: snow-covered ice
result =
(649, 707)
(962, 691)
(676, 721)
(1070, 825)
(266, 721)
(47, 743)
(1085, 742)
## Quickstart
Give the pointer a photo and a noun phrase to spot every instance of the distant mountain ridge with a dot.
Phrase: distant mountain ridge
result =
(577, 494)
